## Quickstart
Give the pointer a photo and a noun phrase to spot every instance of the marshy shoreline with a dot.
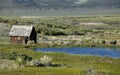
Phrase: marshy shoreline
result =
(73, 64)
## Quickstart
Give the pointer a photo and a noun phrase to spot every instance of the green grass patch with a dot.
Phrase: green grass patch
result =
(74, 64)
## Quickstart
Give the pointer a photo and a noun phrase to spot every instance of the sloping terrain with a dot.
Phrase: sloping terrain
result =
(58, 3)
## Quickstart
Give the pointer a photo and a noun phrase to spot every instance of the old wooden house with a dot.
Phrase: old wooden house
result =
(21, 34)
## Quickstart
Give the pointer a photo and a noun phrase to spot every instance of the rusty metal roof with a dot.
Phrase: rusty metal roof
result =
(21, 30)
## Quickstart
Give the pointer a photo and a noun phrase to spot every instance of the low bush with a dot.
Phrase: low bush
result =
(8, 64)
(7, 55)
(46, 60)
(21, 59)
(35, 62)
(43, 61)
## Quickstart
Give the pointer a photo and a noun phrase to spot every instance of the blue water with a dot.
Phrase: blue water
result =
(109, 52)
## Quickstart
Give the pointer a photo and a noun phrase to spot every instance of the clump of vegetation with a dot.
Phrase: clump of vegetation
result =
(43, 61)
(8, 55)
(19, 58)
(8, 64)
(35, 62)
(22, 60)
(46, 60)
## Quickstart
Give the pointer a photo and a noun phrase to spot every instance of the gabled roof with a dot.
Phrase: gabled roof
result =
(21, 30)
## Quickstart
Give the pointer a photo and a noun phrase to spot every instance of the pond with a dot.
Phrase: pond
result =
(109, 52)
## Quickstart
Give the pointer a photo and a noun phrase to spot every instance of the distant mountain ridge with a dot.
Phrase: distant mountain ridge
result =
(59, 7)
(48, 4)
(102, 3)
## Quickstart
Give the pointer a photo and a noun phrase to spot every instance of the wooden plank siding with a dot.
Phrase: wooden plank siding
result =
(17, 40)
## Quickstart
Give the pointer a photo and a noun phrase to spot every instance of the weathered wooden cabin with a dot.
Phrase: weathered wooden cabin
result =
(20, 34)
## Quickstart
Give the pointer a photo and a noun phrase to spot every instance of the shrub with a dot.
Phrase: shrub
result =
(113, 42)
(35, 62)
(1, 19)
(7, 55)
(21, 59)
(30, 42)
(8, 64)
(43, 61)
(46, 60)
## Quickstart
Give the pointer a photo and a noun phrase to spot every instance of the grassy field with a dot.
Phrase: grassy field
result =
(100, 30)
(74, 64)
(91, 30)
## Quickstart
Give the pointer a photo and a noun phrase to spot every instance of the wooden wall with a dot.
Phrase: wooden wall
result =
(17, 40)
